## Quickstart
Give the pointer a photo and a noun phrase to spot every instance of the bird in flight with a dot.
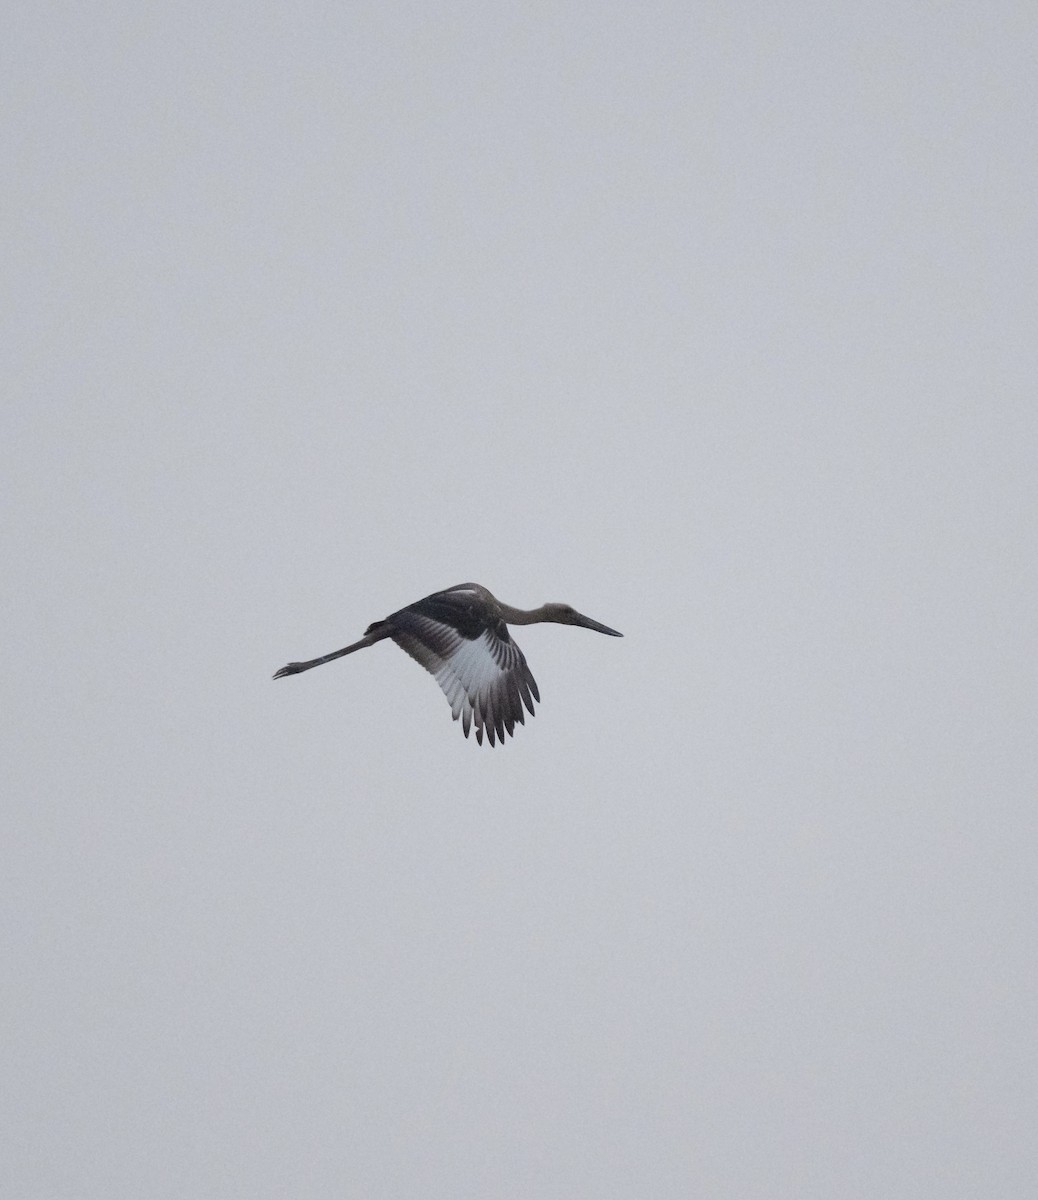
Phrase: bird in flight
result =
(461, 638)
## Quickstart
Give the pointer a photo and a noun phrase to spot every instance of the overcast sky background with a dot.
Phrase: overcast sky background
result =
(715, 321)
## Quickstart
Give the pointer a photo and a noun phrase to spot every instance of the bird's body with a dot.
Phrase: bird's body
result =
(461, 638)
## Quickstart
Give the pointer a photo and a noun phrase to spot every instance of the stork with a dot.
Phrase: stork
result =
(461, 638)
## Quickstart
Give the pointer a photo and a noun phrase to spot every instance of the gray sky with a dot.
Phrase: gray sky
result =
(715, 321)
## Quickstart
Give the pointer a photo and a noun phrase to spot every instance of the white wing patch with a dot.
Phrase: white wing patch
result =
(485, 679)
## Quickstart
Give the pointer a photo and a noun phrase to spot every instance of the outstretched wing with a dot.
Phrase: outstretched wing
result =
(472, 657)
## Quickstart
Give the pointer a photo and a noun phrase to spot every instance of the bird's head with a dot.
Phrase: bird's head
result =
(566, 614)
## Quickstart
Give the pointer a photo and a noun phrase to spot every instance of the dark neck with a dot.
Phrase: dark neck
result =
(525, 616)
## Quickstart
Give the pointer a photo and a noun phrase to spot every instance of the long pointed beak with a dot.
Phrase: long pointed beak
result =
(597, 626)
